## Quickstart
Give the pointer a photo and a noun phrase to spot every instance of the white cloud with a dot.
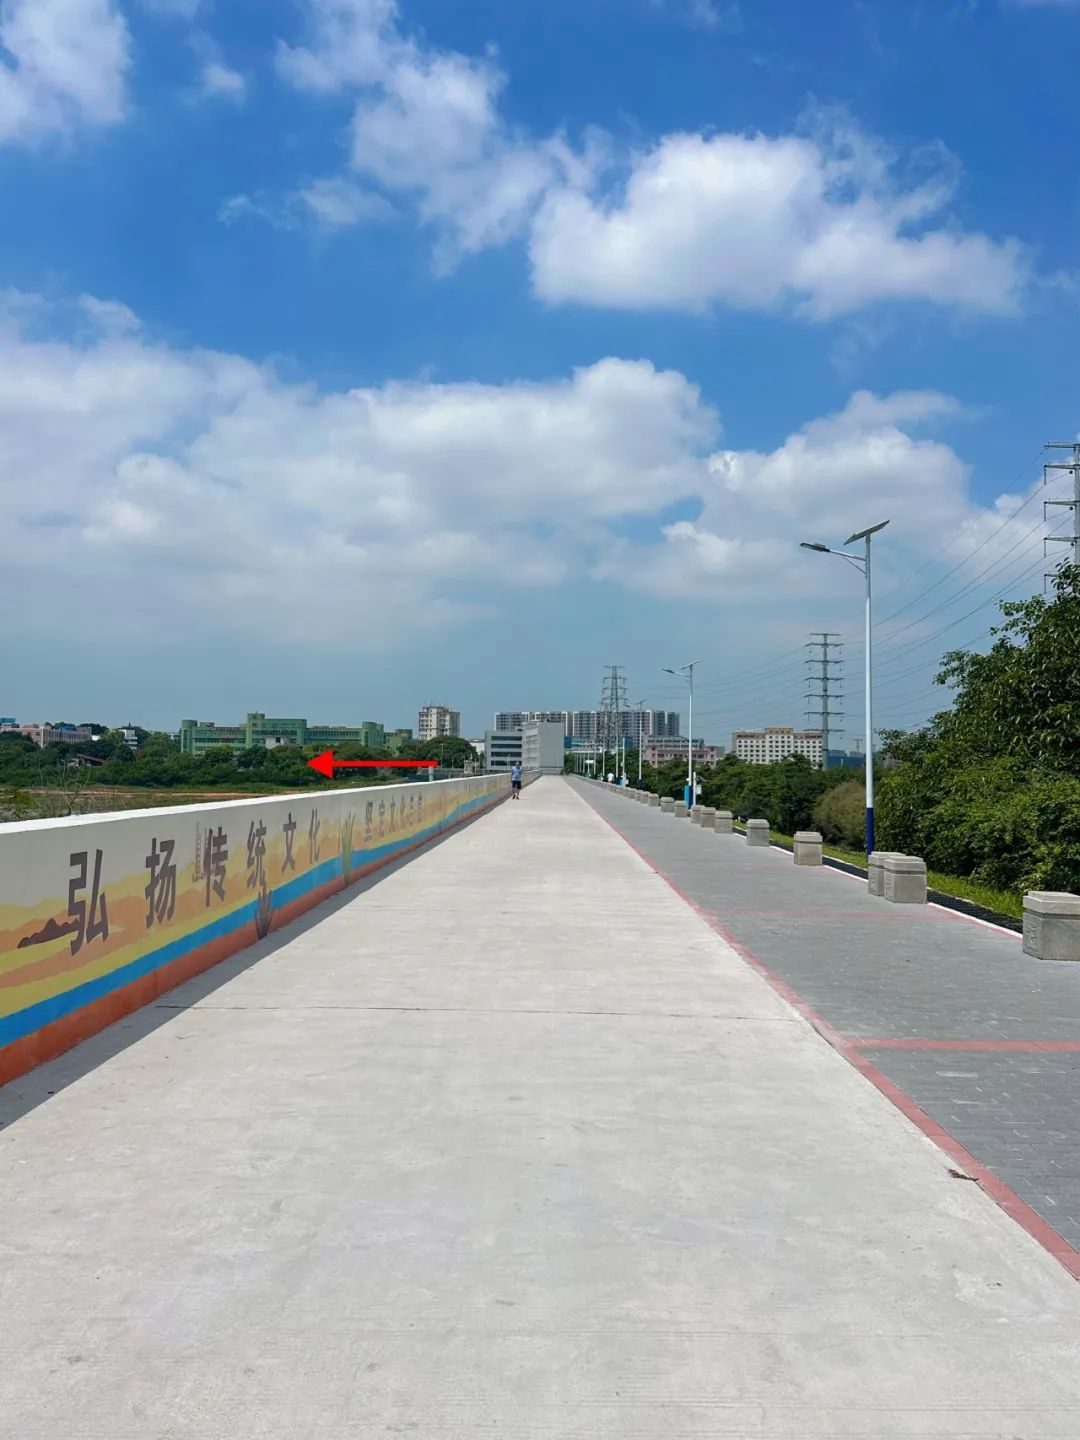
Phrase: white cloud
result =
(63, 63)
(826, 480)
(826, 221)
(219, 80)
(428, 122)
(757, 222)
(338, 203)
(109, 317)
(208, 488)
(333, 203)
(720, 15)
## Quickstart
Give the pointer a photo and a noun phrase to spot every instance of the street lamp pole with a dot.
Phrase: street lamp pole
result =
(863, 562)
(688, 672)
(869, 691)
(640, 737)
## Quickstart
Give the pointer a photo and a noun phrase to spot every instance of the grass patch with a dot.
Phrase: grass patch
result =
(1002, 902)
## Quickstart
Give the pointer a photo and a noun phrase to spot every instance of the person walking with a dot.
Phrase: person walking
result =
(515, 780)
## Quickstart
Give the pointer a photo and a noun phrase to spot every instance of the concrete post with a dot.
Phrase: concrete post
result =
(1052, 925)
(905, 879)
(875, 870)
(653, 801)
(695, 815)
(680, 810)
(807, 847)
(757, 832)
(708, 817)
(723, 822)
(667, 805)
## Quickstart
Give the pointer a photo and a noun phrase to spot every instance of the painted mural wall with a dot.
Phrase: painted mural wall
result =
(101, 914)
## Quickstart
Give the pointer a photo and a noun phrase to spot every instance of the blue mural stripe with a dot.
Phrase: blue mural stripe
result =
(44, 1012)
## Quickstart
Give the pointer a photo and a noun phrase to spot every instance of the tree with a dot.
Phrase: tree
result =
(1023, 697)
(991, 788)
(450, 750)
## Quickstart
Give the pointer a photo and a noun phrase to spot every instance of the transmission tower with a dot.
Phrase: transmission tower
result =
(824, 676)
(612, 703)
(1073, 504)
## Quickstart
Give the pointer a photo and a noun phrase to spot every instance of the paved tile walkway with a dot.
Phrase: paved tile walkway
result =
(511, 1144)
(964, 1014)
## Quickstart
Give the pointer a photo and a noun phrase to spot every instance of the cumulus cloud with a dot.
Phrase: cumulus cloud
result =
(206, 487)
(860, 465)
(185, 483)
(428, 123)
(826, 221)
(63, 63)
(757, 222)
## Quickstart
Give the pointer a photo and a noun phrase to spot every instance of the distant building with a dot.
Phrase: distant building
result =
(436, 720)
(396, 740)
(776, 742)
(131, 736)
(591, 727)
(658, 752)
(848, 760)
(198, 736)
(517, 719)
(8, 722)
(54, 734)
(373, 735)
(543, 746)
(502, 748)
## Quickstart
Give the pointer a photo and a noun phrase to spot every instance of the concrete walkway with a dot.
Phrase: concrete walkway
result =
(510, 1144)
(985, 1039)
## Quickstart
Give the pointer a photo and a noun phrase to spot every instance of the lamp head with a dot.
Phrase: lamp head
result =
(811, 545)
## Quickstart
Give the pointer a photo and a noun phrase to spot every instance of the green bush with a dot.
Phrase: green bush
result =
(840, 815)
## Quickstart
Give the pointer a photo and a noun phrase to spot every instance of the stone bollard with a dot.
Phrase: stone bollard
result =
(724, 822)
(653, 800)
(875, 870)
(695, 815)
(708, 817)
(667, 805)
(1052, 925)
(905, 879)
(680, 810)
(807, 847)
(757, 832)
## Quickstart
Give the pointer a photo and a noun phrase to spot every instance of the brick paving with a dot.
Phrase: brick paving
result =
(896, 974)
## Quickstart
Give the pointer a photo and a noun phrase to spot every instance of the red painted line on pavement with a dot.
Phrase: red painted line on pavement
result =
(1003, 1195)
(889, 1043)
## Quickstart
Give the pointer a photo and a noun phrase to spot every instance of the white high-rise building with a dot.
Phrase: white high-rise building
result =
(436, 720)
(516, 719)
(776, 742)
(592, 726)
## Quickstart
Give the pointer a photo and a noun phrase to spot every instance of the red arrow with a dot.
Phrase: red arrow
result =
(325, 764)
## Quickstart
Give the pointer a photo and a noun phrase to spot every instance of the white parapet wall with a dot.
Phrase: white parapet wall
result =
(101, 914)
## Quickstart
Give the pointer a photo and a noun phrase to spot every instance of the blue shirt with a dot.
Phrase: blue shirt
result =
(515, 772)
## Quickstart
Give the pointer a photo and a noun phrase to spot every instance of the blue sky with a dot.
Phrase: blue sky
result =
(355, 354)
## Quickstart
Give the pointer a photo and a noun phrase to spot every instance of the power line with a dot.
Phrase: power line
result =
(967, 558)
